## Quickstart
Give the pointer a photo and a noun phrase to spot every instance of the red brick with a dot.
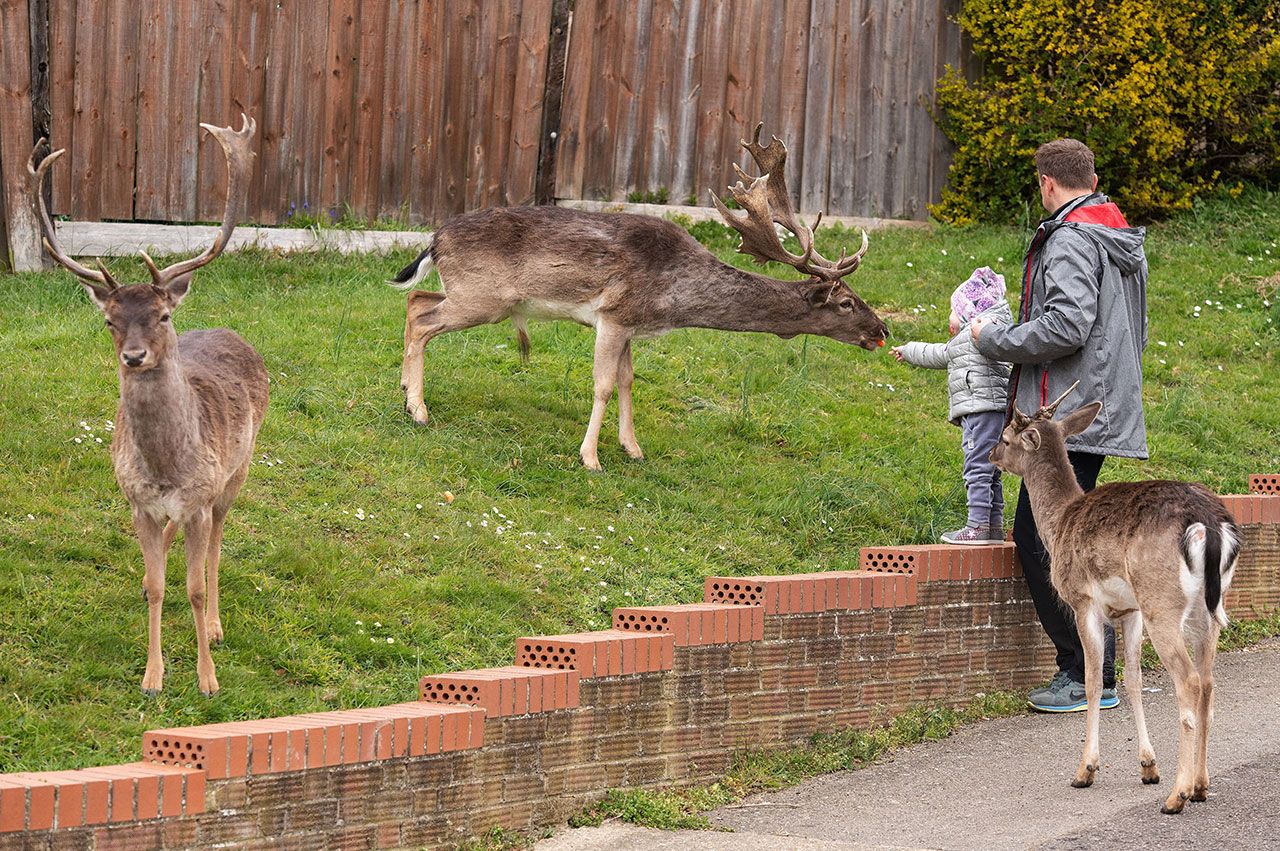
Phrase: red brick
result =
(214, 748)
(38, 799)
(13, 805)
(1264, 483)
(742, 591)
(591, 654)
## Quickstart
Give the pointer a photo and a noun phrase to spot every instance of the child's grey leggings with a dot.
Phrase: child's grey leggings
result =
(981, 478)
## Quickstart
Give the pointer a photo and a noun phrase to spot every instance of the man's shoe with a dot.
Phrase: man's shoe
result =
(1064, 694)
(970, 535)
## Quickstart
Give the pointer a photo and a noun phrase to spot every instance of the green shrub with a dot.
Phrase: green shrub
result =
(1175, 97)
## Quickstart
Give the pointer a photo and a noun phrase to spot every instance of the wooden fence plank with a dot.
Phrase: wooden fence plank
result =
(685, 101)
(495, 130)
(62, 70)
(393, 160)
(527, 106)
(817, 121)
(22, 230)
(424, 108)
(340, 76)
(597, 178)
(248, 86)
(213, 106)
(710, 170)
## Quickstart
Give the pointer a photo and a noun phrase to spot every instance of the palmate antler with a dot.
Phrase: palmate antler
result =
(766, 201)
(235, 144)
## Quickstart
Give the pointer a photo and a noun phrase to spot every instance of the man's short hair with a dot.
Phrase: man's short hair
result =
(1068, 161)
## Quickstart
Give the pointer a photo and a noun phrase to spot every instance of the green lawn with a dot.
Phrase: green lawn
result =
(347, 574)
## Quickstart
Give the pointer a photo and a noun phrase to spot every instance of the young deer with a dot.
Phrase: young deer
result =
(1156, 553)
(190, 409)
(629, 277)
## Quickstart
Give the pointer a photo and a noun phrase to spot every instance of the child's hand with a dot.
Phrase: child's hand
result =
(897, 353)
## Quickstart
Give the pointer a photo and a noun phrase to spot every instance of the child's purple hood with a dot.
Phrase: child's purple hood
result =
(983, 290)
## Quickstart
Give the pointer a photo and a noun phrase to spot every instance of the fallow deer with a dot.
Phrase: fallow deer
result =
(189, 413)
(1154, 553)
(629, 277)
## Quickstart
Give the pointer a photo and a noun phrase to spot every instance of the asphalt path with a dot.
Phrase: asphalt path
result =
(1004, 784)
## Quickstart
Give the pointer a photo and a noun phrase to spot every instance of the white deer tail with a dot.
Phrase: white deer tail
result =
(416, 272)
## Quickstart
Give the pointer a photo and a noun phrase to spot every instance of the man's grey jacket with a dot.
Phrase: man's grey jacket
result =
(974, 383)
(1083, 318)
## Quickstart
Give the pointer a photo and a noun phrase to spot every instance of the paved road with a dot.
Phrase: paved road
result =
(1004, 784)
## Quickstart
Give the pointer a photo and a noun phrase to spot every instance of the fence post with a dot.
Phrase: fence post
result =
(21, 230)
(548, 141)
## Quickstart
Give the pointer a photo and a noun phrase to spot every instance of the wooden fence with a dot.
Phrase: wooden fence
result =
(419, 109)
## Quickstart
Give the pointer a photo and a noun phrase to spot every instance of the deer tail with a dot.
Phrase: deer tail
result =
(416, 272)
(1212, 548)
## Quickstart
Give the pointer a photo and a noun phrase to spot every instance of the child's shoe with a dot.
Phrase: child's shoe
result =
(970, 535)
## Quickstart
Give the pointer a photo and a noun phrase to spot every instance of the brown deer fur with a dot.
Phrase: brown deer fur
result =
(628, 277)
(190, 409)
(1155, 553)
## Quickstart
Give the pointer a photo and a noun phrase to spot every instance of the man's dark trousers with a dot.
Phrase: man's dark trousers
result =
(1055, 616)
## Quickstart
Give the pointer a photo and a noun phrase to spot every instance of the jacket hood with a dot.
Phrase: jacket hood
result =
(1102, 220)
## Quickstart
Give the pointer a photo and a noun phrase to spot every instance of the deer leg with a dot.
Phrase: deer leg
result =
(170, 532)
(626, 427)
(212, 618)
(610, 341)
(421, 305)
(1132, 626)
(198, 531)
(152, 538)
(1166, 635)
(1206, 646)
(1090, 625)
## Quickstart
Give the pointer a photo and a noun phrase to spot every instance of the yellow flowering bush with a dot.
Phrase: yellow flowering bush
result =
(1175, 97)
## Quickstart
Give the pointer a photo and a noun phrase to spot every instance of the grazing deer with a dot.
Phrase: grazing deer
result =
(629, 277)
(190, 409)
(1156, 553)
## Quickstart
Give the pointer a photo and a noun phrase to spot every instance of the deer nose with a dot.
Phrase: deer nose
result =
(134, 358)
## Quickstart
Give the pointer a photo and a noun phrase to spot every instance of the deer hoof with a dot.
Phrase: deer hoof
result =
(634, 453)
(151, 692)
(1200, 793)
(1150, 780)
(418, 413)
(215, 631)
(1078, 783)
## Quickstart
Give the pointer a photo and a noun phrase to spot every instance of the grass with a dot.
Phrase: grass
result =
(338, 590)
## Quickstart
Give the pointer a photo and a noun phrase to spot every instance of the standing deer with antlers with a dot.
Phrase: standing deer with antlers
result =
(1157, 553)
(629, 276)
(190, 409)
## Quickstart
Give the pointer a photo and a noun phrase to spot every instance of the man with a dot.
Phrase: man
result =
(1083, 318)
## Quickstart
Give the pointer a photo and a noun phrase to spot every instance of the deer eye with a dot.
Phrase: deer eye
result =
(846, 304)
(164, 317)
(109, 323)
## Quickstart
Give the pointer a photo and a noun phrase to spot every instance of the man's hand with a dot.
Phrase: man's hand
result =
(897, 353)
(977, 324)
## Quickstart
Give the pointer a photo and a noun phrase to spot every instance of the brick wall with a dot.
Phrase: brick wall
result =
(666, 697)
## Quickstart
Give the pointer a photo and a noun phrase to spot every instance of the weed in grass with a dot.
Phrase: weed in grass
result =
(763, 456)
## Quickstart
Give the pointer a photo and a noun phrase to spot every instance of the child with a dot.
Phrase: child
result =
(979, 394)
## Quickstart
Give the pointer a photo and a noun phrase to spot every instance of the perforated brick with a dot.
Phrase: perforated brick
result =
(597, 654)
(314, 740)
(1265, 483)
(739, 591)
(692, 624)
(892, 559)
(512, 690)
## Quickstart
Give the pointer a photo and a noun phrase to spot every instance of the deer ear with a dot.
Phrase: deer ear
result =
(1079, 419)
(1030, 439)
(176, 290)
(97, 293)
(818, 294)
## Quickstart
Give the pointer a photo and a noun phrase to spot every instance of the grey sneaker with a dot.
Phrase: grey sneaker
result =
(1064, 694)
(970, 535)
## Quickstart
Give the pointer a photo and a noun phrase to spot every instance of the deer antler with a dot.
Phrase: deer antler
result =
(1047, 412)
(766, 201)
(35, 179)
(235, 144)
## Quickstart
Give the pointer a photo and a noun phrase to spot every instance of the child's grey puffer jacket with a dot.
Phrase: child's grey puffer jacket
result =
(974, 383)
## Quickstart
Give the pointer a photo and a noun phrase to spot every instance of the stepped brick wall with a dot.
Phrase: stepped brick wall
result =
(666, 697)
